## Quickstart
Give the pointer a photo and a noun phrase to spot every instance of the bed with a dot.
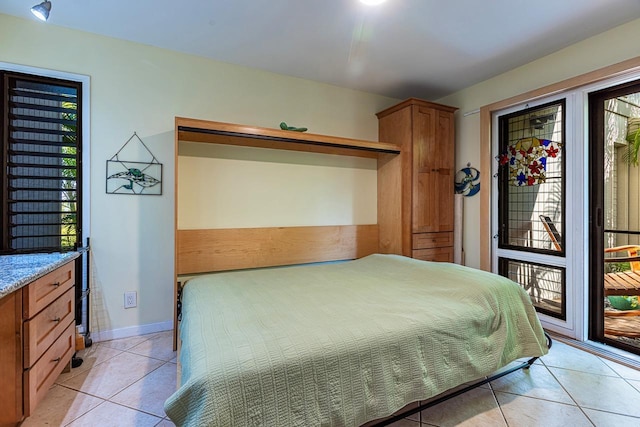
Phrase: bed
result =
(342, 343)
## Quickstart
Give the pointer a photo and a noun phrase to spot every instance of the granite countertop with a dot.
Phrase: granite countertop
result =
(19, 270)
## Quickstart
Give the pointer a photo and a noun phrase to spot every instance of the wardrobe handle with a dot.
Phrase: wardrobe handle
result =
(57, 359)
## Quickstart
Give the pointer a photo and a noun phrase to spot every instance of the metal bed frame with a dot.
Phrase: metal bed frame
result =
(429, 403)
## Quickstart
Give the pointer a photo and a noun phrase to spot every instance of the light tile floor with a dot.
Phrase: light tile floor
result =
(125, 383)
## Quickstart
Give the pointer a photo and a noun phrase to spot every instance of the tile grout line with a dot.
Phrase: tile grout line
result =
(495, 398)
(117, 404)
(614, 373)
(135, 382)
(103, 400)
(597, 409)
(85, 413)
(150, 357)
(88, 369)
(600, 352)
(82, 392)
(569, 394)
(108, 399)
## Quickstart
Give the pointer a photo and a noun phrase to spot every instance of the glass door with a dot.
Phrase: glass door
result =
(614, 311)
(531, 240)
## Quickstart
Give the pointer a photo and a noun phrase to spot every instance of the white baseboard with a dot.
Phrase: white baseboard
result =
(132, 331)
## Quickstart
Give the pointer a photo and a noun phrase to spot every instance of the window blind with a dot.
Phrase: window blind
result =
(41, 164)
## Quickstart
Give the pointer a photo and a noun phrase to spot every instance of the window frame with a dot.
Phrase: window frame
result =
(503, 270)
(83, 167)
(503, 172)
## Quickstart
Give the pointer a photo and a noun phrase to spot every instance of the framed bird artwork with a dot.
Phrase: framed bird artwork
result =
(138, 177)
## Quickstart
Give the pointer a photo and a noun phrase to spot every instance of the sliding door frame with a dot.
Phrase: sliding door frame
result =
(577, 87)
(596, 206)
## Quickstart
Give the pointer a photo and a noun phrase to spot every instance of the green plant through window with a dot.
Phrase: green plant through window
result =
(69, 174)
(616, 267)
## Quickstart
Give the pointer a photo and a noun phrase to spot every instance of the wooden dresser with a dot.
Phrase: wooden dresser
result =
(425, 132)
(37, 341)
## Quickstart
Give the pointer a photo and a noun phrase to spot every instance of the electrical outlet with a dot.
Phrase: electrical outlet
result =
(130, 299)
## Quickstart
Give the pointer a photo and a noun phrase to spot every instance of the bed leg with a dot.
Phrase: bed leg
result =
(549, 340)
(177, 312)
(532, 360)
(529, 363)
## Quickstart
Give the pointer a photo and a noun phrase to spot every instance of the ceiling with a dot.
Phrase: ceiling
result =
(401, 48)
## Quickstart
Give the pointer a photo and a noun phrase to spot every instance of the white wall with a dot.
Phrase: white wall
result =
(596, 52)
(257, 187)
(140, 88)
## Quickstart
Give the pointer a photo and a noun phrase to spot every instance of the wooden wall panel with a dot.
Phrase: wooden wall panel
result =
(394, 194)
(238, 248)
(390, 203)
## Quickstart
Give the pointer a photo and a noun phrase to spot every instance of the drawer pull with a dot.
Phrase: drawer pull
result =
(56, 284)
(57, 319)
(57, 359)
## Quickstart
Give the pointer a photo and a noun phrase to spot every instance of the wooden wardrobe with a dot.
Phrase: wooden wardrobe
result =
(424, 220)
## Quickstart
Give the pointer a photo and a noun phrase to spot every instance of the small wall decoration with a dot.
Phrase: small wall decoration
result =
(139, 177)
(467, 181)
(284, 126)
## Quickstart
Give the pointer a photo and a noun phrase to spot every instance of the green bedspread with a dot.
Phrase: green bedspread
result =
(342, 344)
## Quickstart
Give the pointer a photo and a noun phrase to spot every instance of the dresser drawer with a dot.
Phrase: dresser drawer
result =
(43, 329)
(43, 291)
(43, 374)
(432, 240)
(435, 254)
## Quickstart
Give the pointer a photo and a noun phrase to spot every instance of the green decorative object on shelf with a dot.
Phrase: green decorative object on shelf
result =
(624, 303)
(284, 126)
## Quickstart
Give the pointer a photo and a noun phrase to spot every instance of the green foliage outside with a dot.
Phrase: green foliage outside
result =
(616, 267)
(631, 155)
(69, 195)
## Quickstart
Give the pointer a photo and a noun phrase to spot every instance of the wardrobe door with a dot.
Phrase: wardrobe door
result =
(433, 160)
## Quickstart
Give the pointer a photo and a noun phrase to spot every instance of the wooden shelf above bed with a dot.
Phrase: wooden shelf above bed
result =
(194, 130)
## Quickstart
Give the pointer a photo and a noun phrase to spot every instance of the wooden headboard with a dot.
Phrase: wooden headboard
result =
(209, 250)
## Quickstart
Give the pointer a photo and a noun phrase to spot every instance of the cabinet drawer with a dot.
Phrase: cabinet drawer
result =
(43, 374)
(41, 331)
(432, 240)
(43, 291)
(435, 254)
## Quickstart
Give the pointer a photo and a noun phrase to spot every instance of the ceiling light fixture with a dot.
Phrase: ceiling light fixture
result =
(41, 11)
(372, 2)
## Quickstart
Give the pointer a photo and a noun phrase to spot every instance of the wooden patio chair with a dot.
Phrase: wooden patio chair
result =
(551, 229)
(623, 283)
